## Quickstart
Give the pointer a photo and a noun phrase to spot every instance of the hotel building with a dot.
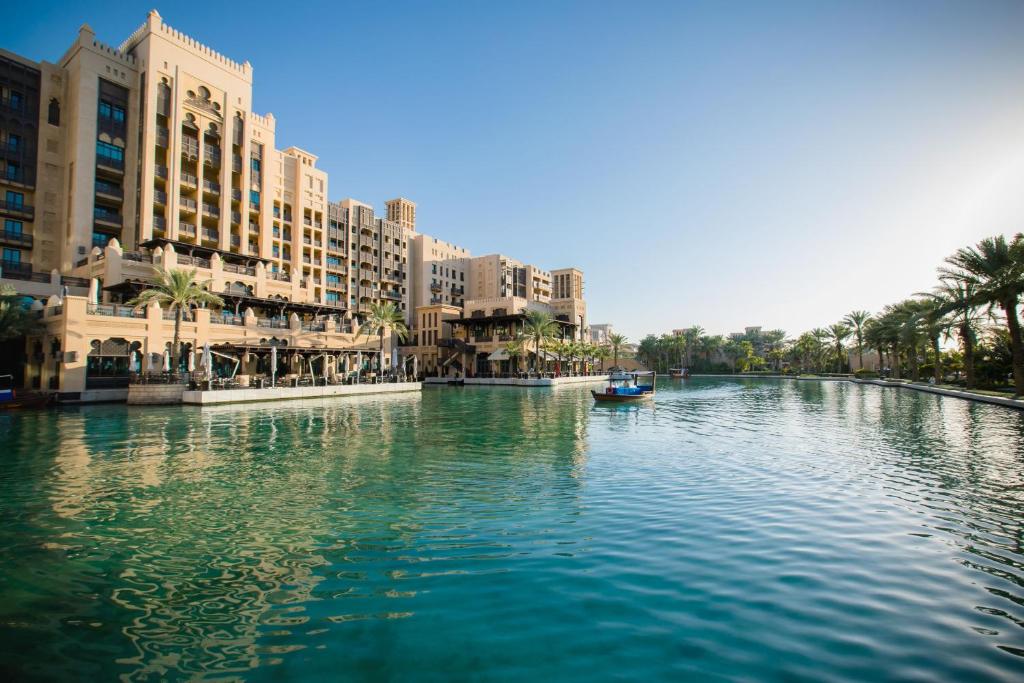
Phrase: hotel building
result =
(114, 160)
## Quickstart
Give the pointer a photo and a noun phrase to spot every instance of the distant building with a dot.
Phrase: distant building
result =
(600, 333)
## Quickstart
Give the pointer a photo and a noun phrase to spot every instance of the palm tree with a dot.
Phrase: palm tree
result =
(515, 350)
(957, 297)
(177, 289)
(997, 269)
(15, 319)
(875, 338)
(711, 345)
(837, 334)
(693, 336)
(857, 320)
(538, 328)
(616, 341)
(382, 318)
(602, 353)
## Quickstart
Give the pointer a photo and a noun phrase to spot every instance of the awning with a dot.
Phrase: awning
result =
(499, 355)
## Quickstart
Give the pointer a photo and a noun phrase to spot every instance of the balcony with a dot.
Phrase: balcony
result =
(236, 195)
(187, 205)
(307, 221)
(236, 217)
(241, 270)
(211, 210)
(254, 228)
(160, 171)
(273, 323)
(115, 310)
(187, 229)
(390, 294)
(17, 239)
(190, 149)
(16, 209)
(159, 223)
(189, 180)
(163, 137)
(279, 276)
(236, 241)
(211, 156)
(107, 218)
(109, 191)
(160, 197)
(435, 287)
(186, 260)
(236, 164)
(210, 235)
(110, 164)
(211, 187)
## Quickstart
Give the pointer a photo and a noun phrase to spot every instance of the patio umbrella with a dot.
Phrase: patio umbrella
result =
(167, 361)
(151, 361)
(359, 364)
(191, 361)
(273, 365)
(207, 360)
(415, 367)
(133, 361)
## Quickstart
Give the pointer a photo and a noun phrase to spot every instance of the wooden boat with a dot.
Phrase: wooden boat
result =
(625, 387)
(679, 373)
(10, 399)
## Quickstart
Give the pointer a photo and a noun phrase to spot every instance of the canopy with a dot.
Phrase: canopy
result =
(499, 355)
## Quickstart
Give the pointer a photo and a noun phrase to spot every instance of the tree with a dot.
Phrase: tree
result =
(538, 329)
(515, 350)
(176, 289)
(856, 320)
(837, 334)
(957, 297)
(616, 341)
(384, 317)
(996, 267)
(693, 336)
(16, 320)
(602, 353)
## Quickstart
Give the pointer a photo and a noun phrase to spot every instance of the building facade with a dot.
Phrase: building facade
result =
(118, 160)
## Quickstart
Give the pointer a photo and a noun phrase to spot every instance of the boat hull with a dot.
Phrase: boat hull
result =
(619, 398)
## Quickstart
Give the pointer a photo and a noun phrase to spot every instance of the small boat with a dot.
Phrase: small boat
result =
(10, 399)
(679, 373)
(625, 387)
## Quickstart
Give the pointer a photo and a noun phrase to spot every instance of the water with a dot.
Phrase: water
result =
(736, 530)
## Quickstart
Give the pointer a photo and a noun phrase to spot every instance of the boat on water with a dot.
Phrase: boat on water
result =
(10, 399)
(625, 387)
(679, 373)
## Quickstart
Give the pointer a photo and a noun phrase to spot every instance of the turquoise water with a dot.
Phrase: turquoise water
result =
(734, 530)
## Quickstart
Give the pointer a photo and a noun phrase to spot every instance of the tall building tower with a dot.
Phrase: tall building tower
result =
(403, 212)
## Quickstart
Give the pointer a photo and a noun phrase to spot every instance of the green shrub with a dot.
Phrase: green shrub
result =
(865, 374)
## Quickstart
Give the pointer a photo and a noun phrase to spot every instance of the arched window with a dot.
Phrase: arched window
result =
(53, 113)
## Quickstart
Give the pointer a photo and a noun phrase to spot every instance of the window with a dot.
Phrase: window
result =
(13, 142)
(53, 113)
(109, 151)
(111, 111)
(11, 172)
(14, 99)
(12, 226)
(254, 197)
(12, 255)
(100, 239)
(15, 200)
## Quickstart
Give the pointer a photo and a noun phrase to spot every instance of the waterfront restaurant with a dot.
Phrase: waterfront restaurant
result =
(93, 343)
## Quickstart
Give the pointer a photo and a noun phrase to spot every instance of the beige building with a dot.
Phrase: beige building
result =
(403, 212)
(116, 160)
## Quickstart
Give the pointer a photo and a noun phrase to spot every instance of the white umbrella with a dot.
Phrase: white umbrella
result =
(207, 360)
(415, 367)
(359, 364)
(151, 361)
(273, 365)
(191, 361)
(167, 361)
(133, 361)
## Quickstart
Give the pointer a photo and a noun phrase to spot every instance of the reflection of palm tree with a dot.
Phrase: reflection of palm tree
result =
(178, 290)
(384, 317)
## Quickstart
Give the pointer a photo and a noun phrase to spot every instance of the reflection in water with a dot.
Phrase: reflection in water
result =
(736, 528)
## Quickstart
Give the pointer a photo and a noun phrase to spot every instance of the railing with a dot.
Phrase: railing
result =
(187, 203)
(160, 197)
(235, 320)
(134, 256)
(210, 186)
(391, 295)
(307, 221)
(279, 276)
(236, 241)
(163, 137)
(109, 190)
(236, 217)
(185, 259)
(159, 223)
(190, 148)
(211, 156)
(115, 310)
(236, 195)
(15, 207)
(211, 234)
(236, 164)
(273, 323)
(253, 227)
(18, 271)
(160, 172)
(187, 229)
(109, 162)
(107, 217)
(483, 338)
(241, 270)
(189, 178)
(17, 238)
(72, 281)
(315, 326)
(211, 210)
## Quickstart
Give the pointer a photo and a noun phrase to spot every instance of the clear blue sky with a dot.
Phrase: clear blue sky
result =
(715, 163)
